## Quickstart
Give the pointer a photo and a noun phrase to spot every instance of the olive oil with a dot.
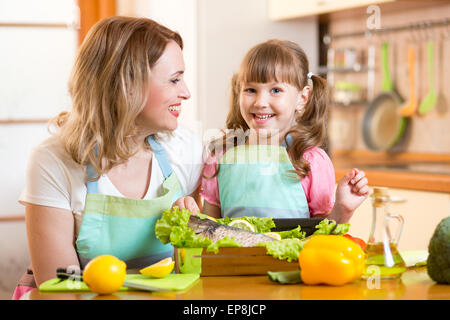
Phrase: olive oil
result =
(383, 261)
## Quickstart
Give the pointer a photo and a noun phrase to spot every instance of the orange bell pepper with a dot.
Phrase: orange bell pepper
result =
(331, 259)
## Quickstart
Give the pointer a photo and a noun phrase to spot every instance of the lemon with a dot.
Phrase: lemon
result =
(105, 274)
(160, 269)
(274, 235)
(242, 224)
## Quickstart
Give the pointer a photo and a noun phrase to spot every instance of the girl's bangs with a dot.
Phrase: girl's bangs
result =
(263, 66)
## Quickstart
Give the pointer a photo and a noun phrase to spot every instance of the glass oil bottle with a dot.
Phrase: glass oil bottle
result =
(382, 256)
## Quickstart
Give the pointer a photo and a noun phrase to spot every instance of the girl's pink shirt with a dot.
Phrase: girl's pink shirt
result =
(318, 185)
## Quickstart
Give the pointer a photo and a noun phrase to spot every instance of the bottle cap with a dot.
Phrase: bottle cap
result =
(380, 196)
(380, 192)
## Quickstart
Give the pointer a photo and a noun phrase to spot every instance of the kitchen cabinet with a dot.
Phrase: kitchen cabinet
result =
(290, 9)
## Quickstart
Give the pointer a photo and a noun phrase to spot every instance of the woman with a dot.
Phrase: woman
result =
(117, 159)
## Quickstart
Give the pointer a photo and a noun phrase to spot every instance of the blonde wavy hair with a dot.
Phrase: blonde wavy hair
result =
(108, 86)
(281, 61)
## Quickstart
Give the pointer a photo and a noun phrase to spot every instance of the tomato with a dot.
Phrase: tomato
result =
(358, 241)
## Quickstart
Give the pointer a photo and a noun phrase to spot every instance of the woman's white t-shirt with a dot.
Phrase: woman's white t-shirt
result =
(53, 179)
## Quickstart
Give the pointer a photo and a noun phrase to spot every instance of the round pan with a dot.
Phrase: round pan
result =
(383, 126)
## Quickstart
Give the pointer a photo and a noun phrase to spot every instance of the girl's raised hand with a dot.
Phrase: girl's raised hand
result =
(352, 190)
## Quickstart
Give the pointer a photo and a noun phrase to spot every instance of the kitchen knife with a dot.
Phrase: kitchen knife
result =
(63, 274)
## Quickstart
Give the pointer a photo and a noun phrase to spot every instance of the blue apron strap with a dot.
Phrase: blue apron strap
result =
(92, 186)
(160, 155)
(288, 139)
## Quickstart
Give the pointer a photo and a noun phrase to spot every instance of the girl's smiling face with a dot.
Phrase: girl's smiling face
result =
(269, 108)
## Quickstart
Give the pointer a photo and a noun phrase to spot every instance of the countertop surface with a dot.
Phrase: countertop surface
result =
(414, 284)
(404, 171)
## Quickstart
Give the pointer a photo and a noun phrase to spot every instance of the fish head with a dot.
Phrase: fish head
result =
(201, 226)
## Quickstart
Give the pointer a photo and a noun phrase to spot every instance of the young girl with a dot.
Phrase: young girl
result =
(269, 161)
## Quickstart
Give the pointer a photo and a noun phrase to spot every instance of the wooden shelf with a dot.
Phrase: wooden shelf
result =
(22, 121)
(351, 103)
(12, 218)
(394, 178)
(37, 25)
(354, 69)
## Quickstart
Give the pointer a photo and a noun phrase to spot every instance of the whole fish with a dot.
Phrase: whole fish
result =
(216, 231)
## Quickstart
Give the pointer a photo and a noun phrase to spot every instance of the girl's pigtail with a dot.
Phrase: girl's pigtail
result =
(316, 109)
(311, 128)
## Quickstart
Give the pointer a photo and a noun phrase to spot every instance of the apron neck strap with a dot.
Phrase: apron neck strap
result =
(160, 154)
(287, 139)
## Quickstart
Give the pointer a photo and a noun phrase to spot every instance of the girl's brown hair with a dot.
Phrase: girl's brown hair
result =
(108, 87)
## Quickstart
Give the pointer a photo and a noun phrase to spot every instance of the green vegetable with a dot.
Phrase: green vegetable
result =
(329, 227)
(170, 220)
(173, 227)
(294, 233)
(261, 225)
(285, 277)
(222, 243)
(438, 262)
(285, 249)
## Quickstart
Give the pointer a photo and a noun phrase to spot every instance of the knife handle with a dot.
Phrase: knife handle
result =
(69, 273)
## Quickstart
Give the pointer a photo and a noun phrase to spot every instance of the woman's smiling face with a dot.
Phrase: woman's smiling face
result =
(269, 108)
(166, 91)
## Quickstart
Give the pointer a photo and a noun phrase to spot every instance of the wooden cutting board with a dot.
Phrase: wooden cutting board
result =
(229, 262)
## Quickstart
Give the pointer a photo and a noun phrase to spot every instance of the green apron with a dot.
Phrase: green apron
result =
(124, 227)
(258, 180)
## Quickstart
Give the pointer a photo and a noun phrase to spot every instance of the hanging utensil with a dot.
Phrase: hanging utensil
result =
(429, 102)
(409, 108)
(383, 126)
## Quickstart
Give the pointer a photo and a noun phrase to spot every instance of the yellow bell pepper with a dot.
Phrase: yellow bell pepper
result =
(331, 259)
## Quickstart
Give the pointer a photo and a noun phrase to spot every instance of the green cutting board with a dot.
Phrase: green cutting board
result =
(171, 282)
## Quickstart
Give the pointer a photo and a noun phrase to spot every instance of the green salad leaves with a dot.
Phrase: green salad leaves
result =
(173, 228)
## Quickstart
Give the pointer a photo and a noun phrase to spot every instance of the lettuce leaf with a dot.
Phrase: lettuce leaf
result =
(225, 242)
(294, 233)
(261, 224)
(284, 249)
(329, 227)
(169, 221)
(173, 227)
(293, 240)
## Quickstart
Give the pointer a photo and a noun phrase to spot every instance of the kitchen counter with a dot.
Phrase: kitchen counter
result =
(404, 171)
(414, 284)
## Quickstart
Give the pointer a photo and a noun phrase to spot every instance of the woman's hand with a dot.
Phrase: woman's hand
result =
(187, 202)
(351, 191)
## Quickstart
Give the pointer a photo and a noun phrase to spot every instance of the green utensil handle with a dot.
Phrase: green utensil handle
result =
(386, 82)
(430, 53)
